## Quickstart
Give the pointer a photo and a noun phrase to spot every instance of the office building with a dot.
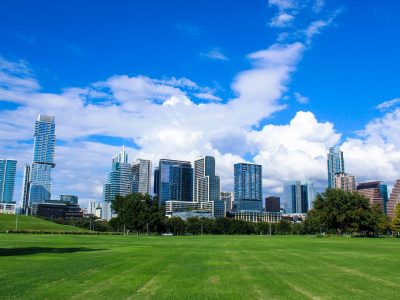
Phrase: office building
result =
(273, 204)
(141, 176)
(248, 187)
(227, 198)
(43, 159)
(119, 181)
(57, 210)
(207, 185)
(175, 181)
(25, 188)
(345, 182)
(71, 199)
(376, 192)
(335, 165)
(256, 217)
(156, 180)
(8, 168)
(394, 199)
(186, 209)
(299, 197)
(95, 209)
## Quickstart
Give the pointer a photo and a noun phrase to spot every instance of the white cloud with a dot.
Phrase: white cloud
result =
(300, 98)
(388, 104)
(283, 4)
(215, 53)
(318, 5)
(208, 96)
(281, 20)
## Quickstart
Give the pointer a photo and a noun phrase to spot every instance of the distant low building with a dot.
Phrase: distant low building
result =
(71, 199)
(185, 209)
(56, 210)
(227, 197)
(273, 204)
(7, 208)
(376, 192)
(257, 217)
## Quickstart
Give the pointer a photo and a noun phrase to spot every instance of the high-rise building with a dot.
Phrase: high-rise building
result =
(335, 165)
(25, 188)
(175, 181)
(119, 180)
(8, 169)
(227, 198)
(43, 159)
(273, 204)
(394, 199)
(248, 187)
(376, 192)
(207, 185)
(345, 182)
(141, 176)
(299, 197)
(156, 180)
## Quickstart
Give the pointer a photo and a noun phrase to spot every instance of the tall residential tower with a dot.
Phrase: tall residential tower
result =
(141, 176)
(248, 187)
(43, 159)
(335, 163)
(207, 185)
(8, 169)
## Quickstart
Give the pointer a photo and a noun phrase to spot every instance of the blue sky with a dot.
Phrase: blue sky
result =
(339, 74)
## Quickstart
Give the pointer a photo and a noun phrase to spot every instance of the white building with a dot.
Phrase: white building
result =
(141, 176)
(345, 182)
(207, 185)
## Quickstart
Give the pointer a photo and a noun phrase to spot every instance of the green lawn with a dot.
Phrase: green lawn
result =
(8, 222)
(198, 267)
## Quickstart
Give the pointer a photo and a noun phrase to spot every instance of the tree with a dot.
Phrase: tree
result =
(396, 219)
(341, 211)
(175, 225)
(137, 213)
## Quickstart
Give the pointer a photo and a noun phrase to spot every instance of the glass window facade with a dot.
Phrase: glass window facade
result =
(335, 163)
(7, 180)
(248, 187)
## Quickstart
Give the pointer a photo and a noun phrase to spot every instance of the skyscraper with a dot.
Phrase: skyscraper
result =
(273, 204)
(175, 181)
(335, 163)
(376, 192)
(394, 199)
(345, 182)
(207, 185)
(25, 188)
(298, 197)
(248, 187)
(141, 176)
(43, 159)
(227, 198)
(8, 169)
(119, 181)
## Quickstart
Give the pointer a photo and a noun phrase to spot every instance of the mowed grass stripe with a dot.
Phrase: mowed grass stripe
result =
(200, 267)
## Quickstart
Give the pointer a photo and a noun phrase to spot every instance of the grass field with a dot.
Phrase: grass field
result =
(7, 222)
(197, 267)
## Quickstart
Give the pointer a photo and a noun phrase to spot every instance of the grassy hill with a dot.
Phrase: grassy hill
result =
(7, 222)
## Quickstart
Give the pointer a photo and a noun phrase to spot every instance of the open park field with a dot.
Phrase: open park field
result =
(197, 267)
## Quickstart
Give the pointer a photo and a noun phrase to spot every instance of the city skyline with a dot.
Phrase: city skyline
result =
(265, 93)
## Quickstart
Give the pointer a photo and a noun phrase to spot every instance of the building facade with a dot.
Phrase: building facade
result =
(256, 217)
(25, 188)
(8, 168)
(207, 185)
(394, 199)
(248, 187)
(273, 204)
(228, 199)
(185, 209)
(43, 159)
(299, 197)
(141, 176)
(119, 180)
(376, 192)
(345, 182)
(175, 181)
(335, 163)
(71, 199)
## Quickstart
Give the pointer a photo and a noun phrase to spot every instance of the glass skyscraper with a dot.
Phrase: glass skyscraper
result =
(141, 176)
(248, 187)
(119, 181)
(299, 197)
(43, 159)
(335, 163)
(207, 186)
(8, 169)
(175, 181)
